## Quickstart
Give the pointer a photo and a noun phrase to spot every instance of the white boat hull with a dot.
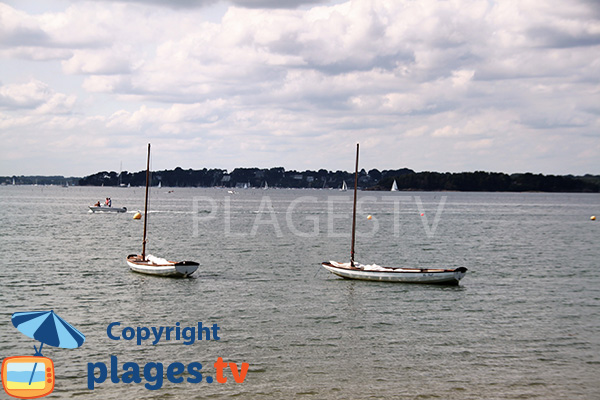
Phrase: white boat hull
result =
(108, 209)
(180, 269)
(401, 275)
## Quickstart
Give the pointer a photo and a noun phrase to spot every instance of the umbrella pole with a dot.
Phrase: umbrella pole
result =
(32, 372)
(37, 353)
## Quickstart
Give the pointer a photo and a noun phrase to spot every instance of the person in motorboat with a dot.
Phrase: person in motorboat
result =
(108, 202)
(97, 204)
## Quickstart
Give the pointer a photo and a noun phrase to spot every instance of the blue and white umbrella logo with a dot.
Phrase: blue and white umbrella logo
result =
(48, 328)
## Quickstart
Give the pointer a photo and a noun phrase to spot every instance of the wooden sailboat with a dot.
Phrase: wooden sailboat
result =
(150, 265)
(373, 272)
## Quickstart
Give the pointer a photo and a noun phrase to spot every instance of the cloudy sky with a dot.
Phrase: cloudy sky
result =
(438, 85)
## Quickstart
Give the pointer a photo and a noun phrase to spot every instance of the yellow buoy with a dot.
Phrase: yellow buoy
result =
(593, 217)
(137, 215)
(369, 217)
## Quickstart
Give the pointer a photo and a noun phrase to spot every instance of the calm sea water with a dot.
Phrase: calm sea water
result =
(523, 324)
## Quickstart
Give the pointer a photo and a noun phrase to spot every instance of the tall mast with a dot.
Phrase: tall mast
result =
(354, 209)
(146, 205)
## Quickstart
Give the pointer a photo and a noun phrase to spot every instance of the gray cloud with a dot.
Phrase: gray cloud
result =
(551, 37)
(188, 4)
(277, 3)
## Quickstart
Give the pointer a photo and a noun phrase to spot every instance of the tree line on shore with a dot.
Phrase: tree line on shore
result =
(406, 179)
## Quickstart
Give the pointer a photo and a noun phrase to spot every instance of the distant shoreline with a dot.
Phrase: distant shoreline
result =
(406, 180)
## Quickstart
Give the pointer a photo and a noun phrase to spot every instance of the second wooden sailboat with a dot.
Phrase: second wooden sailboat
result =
(147, 263)
(373, 272)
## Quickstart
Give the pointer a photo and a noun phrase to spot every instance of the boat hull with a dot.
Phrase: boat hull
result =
(182, 269)
(108, 209)
(399, 275)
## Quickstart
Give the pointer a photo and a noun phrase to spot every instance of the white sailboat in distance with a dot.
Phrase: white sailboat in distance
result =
(373, 272)
(344, 187)
(394, 187)
(150, 265)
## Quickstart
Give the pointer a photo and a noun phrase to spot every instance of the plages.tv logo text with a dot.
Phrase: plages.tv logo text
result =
(154, 372)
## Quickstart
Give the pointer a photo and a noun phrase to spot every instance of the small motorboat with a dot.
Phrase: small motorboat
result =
(107, 209)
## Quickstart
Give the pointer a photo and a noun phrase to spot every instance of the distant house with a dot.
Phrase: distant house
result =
(226, 178)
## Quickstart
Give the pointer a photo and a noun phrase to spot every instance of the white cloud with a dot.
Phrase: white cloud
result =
(28, 95)
(440, 85)
(102, 62)
(18, 28)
